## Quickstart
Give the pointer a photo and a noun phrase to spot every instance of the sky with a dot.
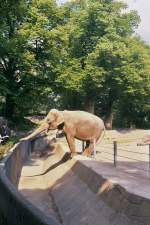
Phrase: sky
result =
(143, 8)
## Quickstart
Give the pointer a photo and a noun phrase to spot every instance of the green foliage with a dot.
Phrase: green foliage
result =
(135, 84)
(101, 64)
(28, 54)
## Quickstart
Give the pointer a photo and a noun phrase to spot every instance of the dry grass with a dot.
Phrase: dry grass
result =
(20, 130)
(6, 147)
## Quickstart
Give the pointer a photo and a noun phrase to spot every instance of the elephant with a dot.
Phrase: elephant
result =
(75, 124)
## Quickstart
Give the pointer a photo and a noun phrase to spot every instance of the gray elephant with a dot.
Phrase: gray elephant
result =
(75, 124)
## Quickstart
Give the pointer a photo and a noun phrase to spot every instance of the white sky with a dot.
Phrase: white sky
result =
(143, 8)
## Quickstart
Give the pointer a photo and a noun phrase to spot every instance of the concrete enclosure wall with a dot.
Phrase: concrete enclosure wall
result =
(118, 204)
(14, 208)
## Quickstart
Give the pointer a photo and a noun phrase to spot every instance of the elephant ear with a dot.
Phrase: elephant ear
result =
(54, 110)
(58, 116)
(55, 113)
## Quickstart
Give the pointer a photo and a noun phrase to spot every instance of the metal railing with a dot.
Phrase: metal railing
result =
(114, 150)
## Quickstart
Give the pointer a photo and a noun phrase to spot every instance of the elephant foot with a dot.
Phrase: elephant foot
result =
(87, 152)
(73, 154)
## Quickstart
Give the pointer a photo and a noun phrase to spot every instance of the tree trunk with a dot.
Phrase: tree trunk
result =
(109, 121)
(9, 106)
(109, 116)
(90, 106)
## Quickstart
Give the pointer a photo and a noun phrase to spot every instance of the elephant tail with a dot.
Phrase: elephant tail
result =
(99, 139)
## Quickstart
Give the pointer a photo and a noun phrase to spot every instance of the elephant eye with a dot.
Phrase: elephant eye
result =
(48, 121)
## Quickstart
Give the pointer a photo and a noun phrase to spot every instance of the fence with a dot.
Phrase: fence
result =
(114, 151)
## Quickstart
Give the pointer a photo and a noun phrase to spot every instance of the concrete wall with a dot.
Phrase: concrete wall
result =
(14, 208)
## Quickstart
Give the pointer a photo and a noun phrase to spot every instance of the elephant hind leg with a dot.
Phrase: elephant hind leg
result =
(87, 152)
(87, 144)
(89, 148)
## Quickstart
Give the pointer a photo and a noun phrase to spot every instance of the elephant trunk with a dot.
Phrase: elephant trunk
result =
(43, 127)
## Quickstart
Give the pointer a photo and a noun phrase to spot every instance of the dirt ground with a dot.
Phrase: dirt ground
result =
(126, 135)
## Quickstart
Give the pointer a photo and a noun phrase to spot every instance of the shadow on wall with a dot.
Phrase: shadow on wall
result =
(64, 159)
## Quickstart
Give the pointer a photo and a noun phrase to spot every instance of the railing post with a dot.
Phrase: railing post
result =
(94, 149)
(115, 153)
(83, 145)
(149, 157)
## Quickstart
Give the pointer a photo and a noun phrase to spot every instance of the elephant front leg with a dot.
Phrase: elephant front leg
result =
(71, 143)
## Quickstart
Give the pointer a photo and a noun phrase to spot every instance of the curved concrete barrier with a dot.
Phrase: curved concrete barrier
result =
(14, 208)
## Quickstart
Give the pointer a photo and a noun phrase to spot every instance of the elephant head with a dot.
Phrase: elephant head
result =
(53, 119)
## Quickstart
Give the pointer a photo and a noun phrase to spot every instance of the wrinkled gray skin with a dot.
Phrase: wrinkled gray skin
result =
(77, 124)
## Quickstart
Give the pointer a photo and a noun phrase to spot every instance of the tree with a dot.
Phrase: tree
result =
(12, 15)
(95, 26)
(42, 50)
(134, 93)
(28, 53)
(81, 55)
